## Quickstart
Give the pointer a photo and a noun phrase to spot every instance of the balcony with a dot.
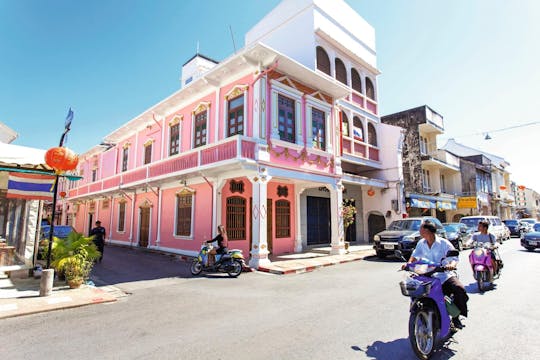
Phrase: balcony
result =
(360, 149)
(363, 102)
(209, 155)
(441, 159)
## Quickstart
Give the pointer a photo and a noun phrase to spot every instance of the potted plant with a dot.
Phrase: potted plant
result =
(74, 256)
(349, 215)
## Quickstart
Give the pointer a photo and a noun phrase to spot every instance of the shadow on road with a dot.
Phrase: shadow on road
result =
(399, 349)
(124, 264)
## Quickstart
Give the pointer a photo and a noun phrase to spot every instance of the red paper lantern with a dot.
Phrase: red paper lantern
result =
(522, 187)
(371, 192)
(61, 159)
(63, 194)
(502, 187)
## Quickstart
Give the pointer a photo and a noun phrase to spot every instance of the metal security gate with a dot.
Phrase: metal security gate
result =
(318, 220)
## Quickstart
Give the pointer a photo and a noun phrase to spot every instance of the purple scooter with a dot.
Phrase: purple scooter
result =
(482, 265)
(431, 311)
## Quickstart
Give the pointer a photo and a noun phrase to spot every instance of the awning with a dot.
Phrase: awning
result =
(424, 204)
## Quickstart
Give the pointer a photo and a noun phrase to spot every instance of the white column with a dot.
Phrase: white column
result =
(158, 236)
(220, 183)
(111, 218)
(336, 214)
(259, 244)
(299, 240)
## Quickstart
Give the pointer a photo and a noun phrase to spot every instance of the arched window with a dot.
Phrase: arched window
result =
(236, 218)
(341, 72)
(372, 134)
(323, 61)
(370, 90)
(356, 82)
(358, 129)
(344, 124)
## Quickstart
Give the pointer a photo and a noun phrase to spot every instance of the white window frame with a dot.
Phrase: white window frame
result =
(184, 191)
(279, 88)
(312, 102)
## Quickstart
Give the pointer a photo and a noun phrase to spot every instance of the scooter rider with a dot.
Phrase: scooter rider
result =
(434, 248)
(485, 237)
(221, 239)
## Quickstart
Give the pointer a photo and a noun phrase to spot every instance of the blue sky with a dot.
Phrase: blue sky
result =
(474, 62)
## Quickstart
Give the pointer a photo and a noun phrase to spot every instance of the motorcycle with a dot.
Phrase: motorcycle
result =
(430, 311)
(231, 263)
(482, 265)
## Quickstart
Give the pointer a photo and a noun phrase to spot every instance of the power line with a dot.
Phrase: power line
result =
(486, 133)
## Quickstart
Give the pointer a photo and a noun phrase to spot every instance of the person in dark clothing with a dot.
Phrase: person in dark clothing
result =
(222, 241)
(99, 238)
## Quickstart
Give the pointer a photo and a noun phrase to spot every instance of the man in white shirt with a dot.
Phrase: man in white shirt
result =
(434, 248)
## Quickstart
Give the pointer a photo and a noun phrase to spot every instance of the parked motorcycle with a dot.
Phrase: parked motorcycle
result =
(430, 311)
(482, 265)
(231, 263)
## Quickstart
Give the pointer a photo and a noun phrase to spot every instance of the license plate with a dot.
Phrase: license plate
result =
(533, 243)
(389, 246)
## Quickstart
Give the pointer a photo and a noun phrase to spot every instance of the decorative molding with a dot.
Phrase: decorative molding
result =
(146, 204)
(186, 191)
(236, 91)
(176, 120)
(285, 80)
(236, 186)
(203, 106)
(126, 145)
(282, 191)
(148, 142)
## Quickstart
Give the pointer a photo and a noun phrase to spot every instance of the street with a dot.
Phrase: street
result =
(349, 311)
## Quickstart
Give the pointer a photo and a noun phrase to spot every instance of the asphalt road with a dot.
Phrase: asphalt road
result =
(349, 311)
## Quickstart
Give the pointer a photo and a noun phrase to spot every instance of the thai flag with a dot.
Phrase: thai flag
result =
(30, 186)
(357, 133)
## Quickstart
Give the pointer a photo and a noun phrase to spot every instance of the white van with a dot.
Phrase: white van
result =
(496, 226)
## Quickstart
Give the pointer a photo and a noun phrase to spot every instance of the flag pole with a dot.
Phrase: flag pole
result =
(55, 187)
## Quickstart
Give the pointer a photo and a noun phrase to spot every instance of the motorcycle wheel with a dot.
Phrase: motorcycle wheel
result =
(196, 267)
(235, 269)
(422, 333)
(480, 281)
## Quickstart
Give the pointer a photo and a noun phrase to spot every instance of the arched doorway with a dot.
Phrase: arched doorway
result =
(376, 223)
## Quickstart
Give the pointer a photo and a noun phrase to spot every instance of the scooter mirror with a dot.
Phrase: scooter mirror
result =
(452, 253)
(399, 255)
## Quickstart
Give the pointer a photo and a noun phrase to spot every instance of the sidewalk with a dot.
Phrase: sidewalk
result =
(20, 295)
(314, 259)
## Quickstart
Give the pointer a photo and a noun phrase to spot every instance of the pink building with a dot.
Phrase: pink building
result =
(267, 142)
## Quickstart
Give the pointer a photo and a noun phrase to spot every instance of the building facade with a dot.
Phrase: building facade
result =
(268, 143)
(431, 175)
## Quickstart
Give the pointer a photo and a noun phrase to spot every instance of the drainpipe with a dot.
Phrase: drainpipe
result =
(132, 218)
(111, 217)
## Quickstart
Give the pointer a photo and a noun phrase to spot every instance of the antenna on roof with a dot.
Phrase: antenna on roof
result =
(232, 37)
(197, 47)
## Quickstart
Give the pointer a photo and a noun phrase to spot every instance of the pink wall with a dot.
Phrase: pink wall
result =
(113, 228)
(201, 221)
(223, 106)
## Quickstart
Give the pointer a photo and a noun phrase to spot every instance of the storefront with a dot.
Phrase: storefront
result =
(426, 205)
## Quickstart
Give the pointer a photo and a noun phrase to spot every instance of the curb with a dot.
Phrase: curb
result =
(310, 268)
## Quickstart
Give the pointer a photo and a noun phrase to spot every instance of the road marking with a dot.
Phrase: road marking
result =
(59, 300)
(8, 307)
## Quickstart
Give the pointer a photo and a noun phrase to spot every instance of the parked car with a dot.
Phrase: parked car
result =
(403, 235)
(496, 226)
(515, 227)
(528, 222)
(531, 240)
(459, 235)
(536, 227)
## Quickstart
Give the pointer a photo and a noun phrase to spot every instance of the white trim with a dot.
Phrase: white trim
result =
(175, 229)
